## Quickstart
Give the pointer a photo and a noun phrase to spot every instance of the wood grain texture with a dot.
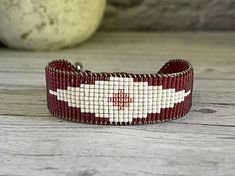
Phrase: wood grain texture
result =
(32, 142)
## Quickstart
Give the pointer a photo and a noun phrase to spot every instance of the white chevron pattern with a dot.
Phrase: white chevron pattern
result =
(120, 99)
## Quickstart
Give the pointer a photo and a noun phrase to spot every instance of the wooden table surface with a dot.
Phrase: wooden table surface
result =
(32, 142)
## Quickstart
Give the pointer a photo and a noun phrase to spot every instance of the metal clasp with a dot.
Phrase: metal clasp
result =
(79, 67)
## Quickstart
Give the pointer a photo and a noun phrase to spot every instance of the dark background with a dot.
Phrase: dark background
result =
(170, 15)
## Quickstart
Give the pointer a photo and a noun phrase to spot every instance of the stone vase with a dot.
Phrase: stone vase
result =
(48, 24)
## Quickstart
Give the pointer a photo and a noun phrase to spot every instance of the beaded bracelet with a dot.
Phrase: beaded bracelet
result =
(119, 98)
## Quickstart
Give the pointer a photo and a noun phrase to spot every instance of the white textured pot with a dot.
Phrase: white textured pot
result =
(48, 24)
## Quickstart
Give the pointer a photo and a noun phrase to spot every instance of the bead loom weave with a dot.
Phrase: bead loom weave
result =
(119, 98)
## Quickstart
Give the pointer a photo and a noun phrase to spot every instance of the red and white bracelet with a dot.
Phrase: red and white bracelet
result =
(119, 98)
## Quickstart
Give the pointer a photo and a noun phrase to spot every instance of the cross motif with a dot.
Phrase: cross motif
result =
(121, 99)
